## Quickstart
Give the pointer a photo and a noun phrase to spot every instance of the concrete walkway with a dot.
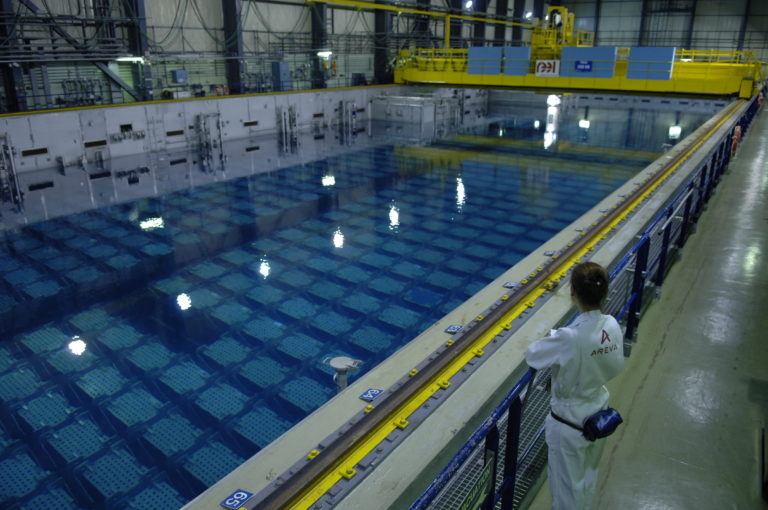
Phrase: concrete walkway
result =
(694, 394)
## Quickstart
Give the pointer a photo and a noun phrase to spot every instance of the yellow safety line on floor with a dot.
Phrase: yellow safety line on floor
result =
(344, 467)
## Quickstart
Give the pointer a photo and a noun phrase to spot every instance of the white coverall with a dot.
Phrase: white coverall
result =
(583, 357)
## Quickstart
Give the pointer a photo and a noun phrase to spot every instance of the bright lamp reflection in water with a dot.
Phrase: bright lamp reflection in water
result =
(461, 194)
(338, 238)
(76, 346)
(329, 180)
(394, 217)
(184, 301)
(264, 268)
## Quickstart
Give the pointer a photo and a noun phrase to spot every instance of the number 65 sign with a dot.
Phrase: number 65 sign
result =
(236, 499)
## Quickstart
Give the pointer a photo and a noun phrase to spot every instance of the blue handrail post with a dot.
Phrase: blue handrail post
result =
(491, 455)
(638, 285)
(510, 458)
(662, 269)
(685, 226)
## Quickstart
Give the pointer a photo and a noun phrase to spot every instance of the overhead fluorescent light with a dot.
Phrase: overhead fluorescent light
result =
(584, 123)
(674, 132)
(324, 54)
(469, 4)
(528, 15)
(135, 60)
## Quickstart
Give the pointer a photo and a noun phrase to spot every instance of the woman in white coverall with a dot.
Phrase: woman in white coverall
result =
(583, 357)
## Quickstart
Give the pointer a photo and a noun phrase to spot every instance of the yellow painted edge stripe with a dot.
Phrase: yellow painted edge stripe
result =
(368, 444)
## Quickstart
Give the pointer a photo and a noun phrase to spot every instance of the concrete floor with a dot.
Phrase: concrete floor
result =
(694, 394)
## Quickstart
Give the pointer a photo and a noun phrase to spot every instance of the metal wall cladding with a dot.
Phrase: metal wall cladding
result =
(42, 140)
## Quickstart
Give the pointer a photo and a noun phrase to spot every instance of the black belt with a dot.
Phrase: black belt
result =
(566, 422)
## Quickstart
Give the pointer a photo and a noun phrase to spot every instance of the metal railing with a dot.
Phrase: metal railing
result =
(636, 275)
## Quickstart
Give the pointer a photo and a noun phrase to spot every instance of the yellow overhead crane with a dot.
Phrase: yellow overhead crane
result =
(708, 72)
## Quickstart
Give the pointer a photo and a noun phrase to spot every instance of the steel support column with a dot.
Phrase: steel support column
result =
(319, 16)
(500, 31)
(478, 32)
(743, 27)
(382, 23)
(421, 25)
(455, 24)
(13, 75)
(691, 20)
(538, 9)
(137, 37)
(518, 13)
(233, 44)
(598, 5)
(643, 20)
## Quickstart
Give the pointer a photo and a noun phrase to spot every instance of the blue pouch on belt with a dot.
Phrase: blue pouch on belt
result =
(599, 425)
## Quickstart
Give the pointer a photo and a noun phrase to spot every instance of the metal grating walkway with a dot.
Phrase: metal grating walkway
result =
(535, 410)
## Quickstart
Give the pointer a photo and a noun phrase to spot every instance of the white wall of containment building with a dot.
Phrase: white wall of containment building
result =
(716, 24)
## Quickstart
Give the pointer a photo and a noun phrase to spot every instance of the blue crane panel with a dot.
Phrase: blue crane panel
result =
(651, 63)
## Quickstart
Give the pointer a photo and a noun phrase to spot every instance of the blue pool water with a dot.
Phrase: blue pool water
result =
(205, 315)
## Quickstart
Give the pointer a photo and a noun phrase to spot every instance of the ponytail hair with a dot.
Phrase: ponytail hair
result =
(589, 284)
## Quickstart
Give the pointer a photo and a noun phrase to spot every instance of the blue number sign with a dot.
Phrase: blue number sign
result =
(584, 66)
(372, 393)
(236, 499)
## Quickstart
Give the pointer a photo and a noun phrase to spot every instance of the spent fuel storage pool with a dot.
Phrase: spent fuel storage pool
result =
(152, 346)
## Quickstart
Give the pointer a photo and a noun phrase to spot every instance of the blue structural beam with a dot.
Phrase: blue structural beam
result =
(484, 60)
(650, 63)
(517, 60)
(233, 44)
(588, 62)
(13, 76)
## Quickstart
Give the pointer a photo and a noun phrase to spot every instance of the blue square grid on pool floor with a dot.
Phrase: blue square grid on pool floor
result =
(371, 339)
(305, 393)
(221, 401)
(19, 475)
(45, 340)
(19, 384)
(160, 496)
(232, 313)
(210, 463)
(260, 426)
(149, 356)
(300, 347)
(55, 497)
(133, 407)
(101, 382)
(47, 410)
(171, 435)
(75, 441)
(92, 319)
(119, 337)
(113, 473)
(298, 308)
(264, 329)
(226, 351)
(361, 303)
(263, 372)
(332, 323)
(64, 361)
(184, 377)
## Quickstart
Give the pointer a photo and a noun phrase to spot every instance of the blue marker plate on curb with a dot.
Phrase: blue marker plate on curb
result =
(453, 329)
(371, 394)
(236, 499)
